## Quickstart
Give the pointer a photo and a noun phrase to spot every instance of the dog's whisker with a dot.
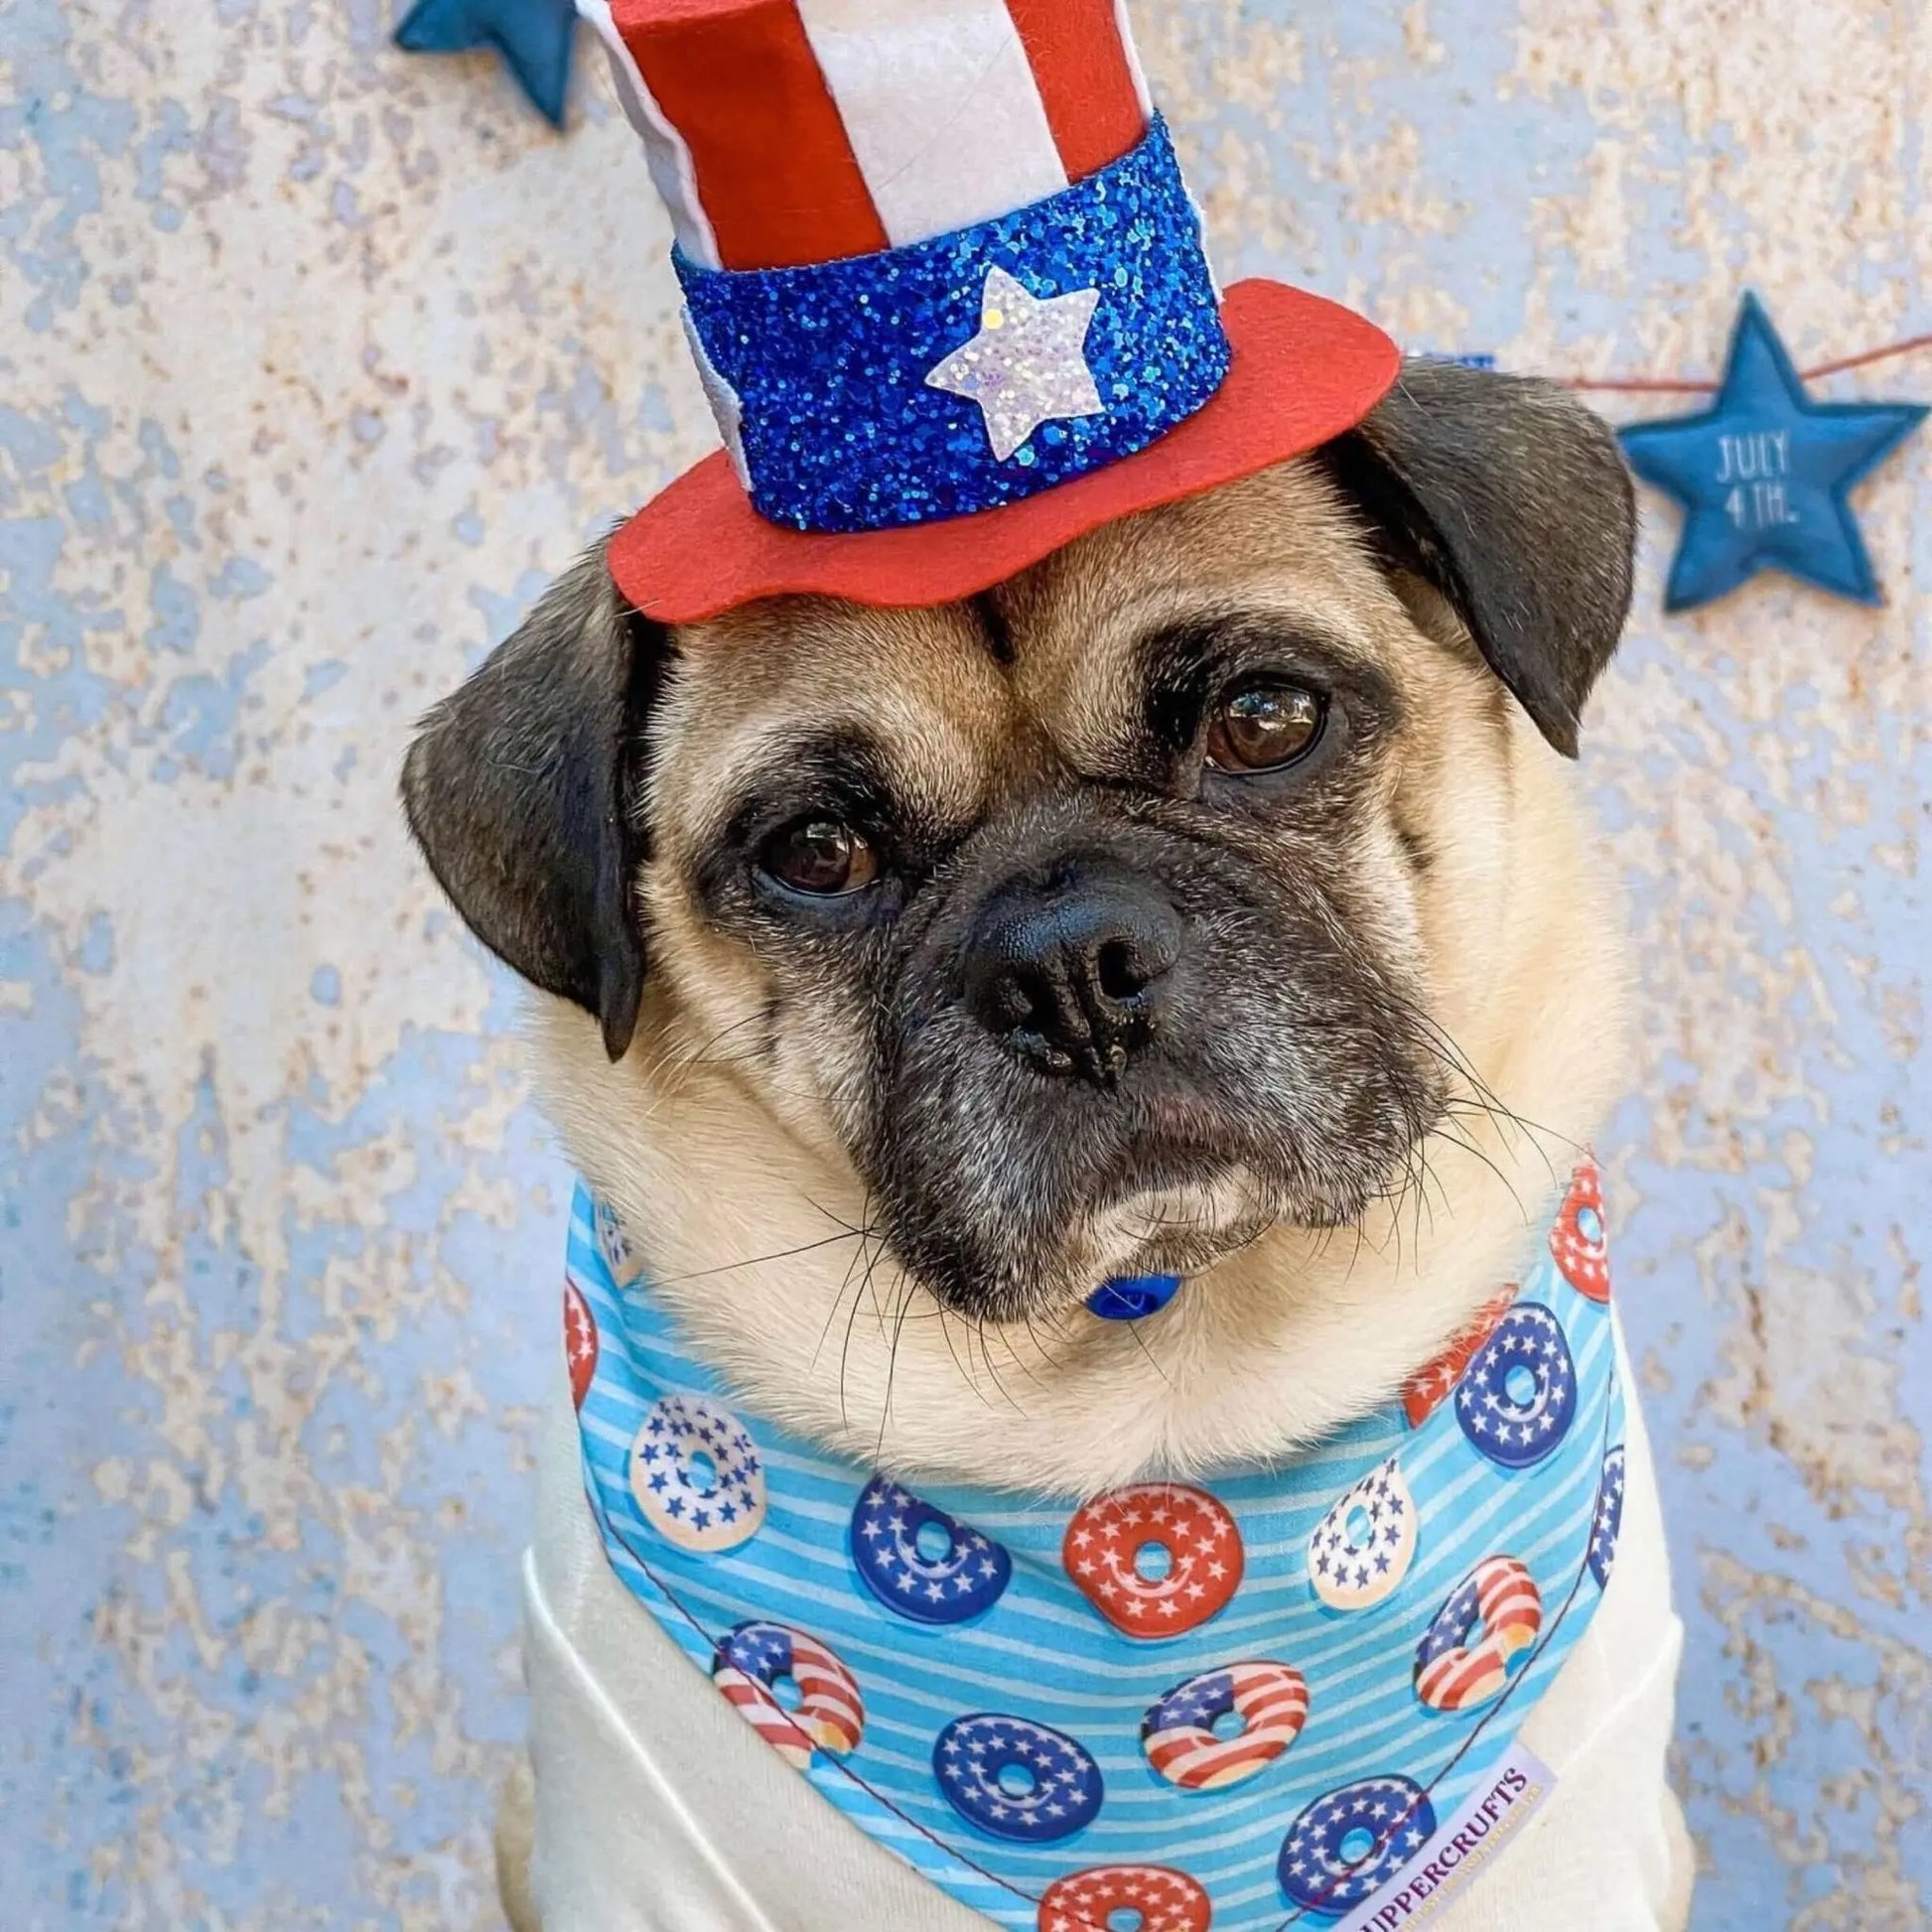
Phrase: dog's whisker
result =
(757, 1261)
(965, 1375)
(986, 1356)
(911, 1288)
(858, 1262)
(1140, 1341)
(1457, 1138)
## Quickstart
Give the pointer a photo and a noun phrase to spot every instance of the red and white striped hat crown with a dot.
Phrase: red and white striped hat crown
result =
(992, 176)
(783, 132)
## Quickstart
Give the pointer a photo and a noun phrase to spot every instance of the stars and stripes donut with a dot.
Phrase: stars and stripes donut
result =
(1518, 1396)
(1498, 1599)
(1361, 1551)
(579, 1342)
(1156, 1558)
(1430, 1385)
(830, 1715)
(1579, 1243)
(1017, 1779)
(1352, 1841)
(922, 1563)
(697, 1475)
(1178, 1732)
(1160, 1899)
(1607, 1524)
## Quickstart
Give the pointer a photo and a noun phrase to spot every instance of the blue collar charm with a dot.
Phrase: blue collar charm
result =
(1764, 474)
(1263, 1699)
(1128, 1297)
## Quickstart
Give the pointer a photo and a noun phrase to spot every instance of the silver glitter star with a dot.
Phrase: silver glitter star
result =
(1028, 364)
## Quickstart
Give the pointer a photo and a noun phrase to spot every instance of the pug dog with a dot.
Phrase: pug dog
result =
(1210, 898)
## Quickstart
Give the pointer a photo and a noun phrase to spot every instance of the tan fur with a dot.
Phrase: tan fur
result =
(734, 1174)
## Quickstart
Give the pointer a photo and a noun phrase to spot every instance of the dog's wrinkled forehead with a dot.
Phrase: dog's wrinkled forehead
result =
(921, 689)
(1044, 678)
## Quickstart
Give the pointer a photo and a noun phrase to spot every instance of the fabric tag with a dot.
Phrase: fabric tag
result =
(1487, 1823)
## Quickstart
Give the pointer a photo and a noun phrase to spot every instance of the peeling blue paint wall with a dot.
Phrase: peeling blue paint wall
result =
(315, 364)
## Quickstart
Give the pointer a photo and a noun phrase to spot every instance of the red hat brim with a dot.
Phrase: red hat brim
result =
(1304, 369)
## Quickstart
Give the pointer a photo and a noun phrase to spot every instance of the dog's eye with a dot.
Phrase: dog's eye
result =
(820, 855)
(1264, 726)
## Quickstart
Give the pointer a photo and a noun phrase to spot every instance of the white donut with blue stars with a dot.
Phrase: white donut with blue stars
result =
(1361, 1551)
(696, 1475)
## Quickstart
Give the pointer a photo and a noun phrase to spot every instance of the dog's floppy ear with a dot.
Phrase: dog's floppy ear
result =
(1512, 499)
(522, 790)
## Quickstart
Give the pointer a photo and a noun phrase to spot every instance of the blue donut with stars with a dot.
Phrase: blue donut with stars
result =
(922, 1563)
(1015, 1779)
(1351, 1841)
(1607, 1524)
(1518, 1396)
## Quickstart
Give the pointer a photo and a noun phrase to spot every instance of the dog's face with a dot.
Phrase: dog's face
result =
(1081, 916)
(1100, 923)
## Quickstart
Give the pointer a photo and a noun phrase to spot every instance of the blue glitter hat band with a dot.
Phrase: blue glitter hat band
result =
(970, 370)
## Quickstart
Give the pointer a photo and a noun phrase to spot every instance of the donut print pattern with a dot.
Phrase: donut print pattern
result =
(1015, 1779)
(1352, 1841)
(1159, 1899)
(830, 1715)
(1518, 1397)
(1428, 1387)
(579, 1342)
(1579, 1244)
(1359, 1553)
(1607, 1524)
(1490, 1618)
(611, 1242)
(1190, 1701)
(922, 1563)
(1179, 1736)
(1156, 1559)
(697, 1475)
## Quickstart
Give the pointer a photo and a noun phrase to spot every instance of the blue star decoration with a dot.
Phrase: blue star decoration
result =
(534, 37)
(1764, 474)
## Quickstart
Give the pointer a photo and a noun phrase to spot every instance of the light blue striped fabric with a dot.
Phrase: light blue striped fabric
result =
(1042, 1655)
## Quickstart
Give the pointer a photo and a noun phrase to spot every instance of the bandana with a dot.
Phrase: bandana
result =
(1286, 1695)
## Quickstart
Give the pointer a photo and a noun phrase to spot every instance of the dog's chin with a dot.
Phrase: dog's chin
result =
(1178, 1230)
(1173, 1228)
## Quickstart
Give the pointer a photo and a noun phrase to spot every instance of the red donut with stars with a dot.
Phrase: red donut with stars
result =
(579, 1342)
(1430, 1384)
(1156, 1558)
(1161, 1898)
(1579, 1243)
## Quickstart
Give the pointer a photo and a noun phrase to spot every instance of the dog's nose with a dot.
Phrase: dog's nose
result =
(1073, 972)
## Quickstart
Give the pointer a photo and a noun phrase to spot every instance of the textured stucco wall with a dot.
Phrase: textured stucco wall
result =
(315, 362)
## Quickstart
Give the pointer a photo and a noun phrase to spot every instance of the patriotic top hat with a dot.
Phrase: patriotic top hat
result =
(948, 297)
